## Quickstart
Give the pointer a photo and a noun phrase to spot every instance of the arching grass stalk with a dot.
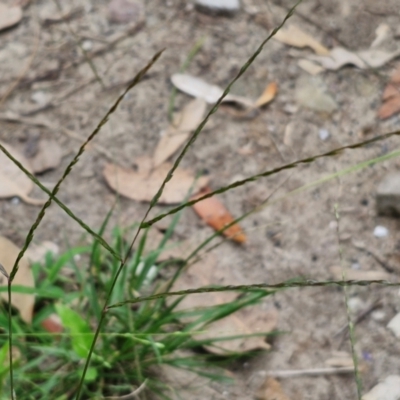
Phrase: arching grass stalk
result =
(157, 196)
(56, 188)
(294, 164)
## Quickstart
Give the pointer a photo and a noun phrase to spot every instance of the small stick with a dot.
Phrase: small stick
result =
(310, 372)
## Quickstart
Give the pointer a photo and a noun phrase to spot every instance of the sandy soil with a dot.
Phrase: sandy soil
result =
(295, 236)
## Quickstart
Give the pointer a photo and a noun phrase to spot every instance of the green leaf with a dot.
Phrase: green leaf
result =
(81, 335)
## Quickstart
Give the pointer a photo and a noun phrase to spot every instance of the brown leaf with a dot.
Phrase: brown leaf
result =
(293, 36)
(52, 324)
(142, 186)
(9, 16)
(13, 182)
(391, 96)
(268, 95)
(214, 213)
(249, 320)
(310, 67)
(186, 121)
(22, 302)
(196, 87)
(339, 57)
(389, 107)
(271, 389)
(48, 156)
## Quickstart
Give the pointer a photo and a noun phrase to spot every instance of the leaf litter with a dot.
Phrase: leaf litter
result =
(294, 36)
(24, 303)
(48, 156)
(14, 182)
(271, 389)
(143, 185)
(179, 131)
(215, 214)
(9, 16)
(249, 320)
(391, 96)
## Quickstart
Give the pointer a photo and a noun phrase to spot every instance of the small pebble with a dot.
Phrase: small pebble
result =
(323, 134)
(380, 231)
(355, 265)
(218, 6)
(394, 325)
(87, 45)
(355, 304)
(15, 201)
(378, 315)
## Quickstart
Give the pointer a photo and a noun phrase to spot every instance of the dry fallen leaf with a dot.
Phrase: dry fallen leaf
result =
(22, 302)
(52, 324)
(268, 95)
(9, 16)
(13, 182)
(177, 134)
(196, 87)
(391, 96)
(48, 156)
(249, 320)
(310, 67)
(293, 36)
(271, 389)
(339, 57)
(358, 275)
(214, 213)
(388, 389)
(340, 360)
(143, 185)
(382, 33)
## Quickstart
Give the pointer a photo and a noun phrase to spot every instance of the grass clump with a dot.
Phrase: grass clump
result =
(136, 340)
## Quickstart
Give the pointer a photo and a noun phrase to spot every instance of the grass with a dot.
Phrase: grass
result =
(134, 344)
(122, 330)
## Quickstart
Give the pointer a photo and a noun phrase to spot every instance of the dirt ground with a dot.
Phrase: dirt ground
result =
(293, 237)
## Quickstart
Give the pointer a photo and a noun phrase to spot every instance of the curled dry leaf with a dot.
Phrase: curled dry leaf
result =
(358, 275)
(48, 156)
(391, 96)
(196, 87)
(215, 214)
(339, 57)
(310, 67)
(22, 302)
(268, 95)
(143, 185)
(388, 389)
(177, 134)
(271, 389)
(382, 33)
(9, 16)
(52, 324)
(294, 36)
(249, 320)
(14, 182)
